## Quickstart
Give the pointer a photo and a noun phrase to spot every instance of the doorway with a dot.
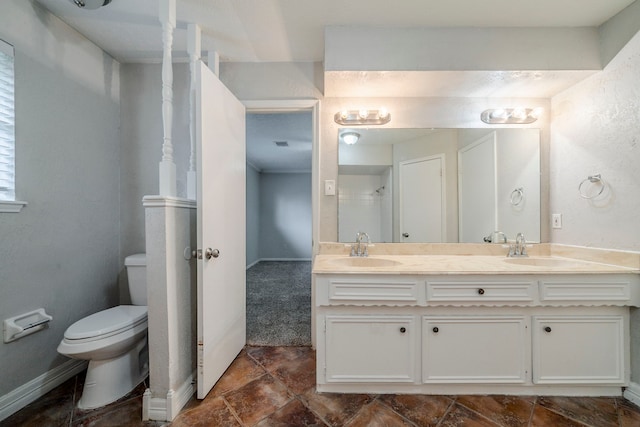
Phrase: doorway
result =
(279, 226)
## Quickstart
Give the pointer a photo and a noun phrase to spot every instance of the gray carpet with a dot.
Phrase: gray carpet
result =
(279, 303)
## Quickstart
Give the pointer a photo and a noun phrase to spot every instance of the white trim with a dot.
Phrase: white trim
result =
(177, 400)
(159, 409)
(167, 202)
(153, 408)
(253, 263)
(11, 207)
(632, 393)
(36, 388)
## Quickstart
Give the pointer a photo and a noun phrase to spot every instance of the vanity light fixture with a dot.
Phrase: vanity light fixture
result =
(518, 115)
(350, 138)
(362, 117)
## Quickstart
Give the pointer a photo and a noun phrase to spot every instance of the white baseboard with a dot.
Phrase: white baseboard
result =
(166, 409)
(632, 393)
(27, 393)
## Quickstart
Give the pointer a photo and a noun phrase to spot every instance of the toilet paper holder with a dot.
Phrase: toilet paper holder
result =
(25, 324)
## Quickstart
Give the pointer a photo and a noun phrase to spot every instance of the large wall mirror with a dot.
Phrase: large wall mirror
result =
(438, 185)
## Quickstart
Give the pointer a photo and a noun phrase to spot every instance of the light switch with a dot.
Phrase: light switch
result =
(329, 187)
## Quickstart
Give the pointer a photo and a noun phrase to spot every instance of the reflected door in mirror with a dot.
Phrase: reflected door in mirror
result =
(421, 200)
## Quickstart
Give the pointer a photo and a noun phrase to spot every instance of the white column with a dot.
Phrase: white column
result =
(213, 61)
(167, 15)
(170, 228)
(194, 49)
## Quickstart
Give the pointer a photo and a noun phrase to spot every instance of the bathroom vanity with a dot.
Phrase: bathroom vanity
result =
(452, 324)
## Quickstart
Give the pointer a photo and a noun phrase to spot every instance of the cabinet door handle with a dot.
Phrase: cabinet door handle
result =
(481, 291)
(435, 330)
(547, 329)
(403, 330)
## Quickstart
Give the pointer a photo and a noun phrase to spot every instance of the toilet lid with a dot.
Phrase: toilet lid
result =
(107, 321)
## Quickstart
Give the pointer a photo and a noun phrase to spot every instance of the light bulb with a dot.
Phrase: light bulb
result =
(499, 114)
(382, 113)
(363, 113)
(519, 113)
(536, 112)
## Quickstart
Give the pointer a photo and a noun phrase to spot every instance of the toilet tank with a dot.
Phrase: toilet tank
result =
(136, 265)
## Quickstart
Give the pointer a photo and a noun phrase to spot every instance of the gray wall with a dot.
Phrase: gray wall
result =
(62, 251)
(285, 216)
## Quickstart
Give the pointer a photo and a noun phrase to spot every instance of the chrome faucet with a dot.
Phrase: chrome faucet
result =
(519, 249)
(357, 249)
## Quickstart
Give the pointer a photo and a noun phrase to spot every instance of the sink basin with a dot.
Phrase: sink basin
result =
(542, 262)
(364, 262)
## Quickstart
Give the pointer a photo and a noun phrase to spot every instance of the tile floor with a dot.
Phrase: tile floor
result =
(274, 386)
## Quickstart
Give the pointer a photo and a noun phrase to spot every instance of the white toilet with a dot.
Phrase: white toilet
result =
(115, 343)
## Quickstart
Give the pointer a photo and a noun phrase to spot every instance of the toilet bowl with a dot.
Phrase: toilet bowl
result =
(114, 341)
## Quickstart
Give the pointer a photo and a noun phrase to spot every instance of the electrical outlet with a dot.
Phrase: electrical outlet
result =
(556, 220)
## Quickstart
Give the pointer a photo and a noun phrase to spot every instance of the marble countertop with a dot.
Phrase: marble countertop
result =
(461, 264)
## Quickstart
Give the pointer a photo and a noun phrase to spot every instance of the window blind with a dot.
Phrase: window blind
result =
(7, 123)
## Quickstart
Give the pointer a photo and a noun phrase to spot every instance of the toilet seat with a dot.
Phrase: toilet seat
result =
(106, 323)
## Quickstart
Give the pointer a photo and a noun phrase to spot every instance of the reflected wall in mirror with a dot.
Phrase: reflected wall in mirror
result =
(439, 185)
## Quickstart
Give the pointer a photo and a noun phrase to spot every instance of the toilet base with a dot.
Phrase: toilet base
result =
(110, 379)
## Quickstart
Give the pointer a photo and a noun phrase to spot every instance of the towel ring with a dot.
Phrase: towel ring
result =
(592, 179)
(517, 196)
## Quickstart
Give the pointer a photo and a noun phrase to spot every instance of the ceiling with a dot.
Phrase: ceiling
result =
(294, 129)
(293, 30)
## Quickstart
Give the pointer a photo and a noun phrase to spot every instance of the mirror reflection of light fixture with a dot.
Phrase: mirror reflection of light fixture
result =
(362, 117)
(90, 4)
(350, 138)
(517, 115)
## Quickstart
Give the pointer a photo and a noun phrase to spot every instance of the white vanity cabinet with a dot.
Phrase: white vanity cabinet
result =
(507, 334)
(370, 348)
(474, 349)
(579, 349)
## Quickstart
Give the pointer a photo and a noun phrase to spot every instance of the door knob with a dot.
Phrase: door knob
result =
(211, 253)
(405, 235)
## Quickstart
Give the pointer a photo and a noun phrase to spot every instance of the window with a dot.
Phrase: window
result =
(7, 131)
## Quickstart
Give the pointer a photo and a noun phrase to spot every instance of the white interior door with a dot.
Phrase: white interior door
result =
(422, 200)
(477, 189)
(221, 146)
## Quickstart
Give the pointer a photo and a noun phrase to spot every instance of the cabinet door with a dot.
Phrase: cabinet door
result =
(470, 349)
(370, 348)
(578, 349)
